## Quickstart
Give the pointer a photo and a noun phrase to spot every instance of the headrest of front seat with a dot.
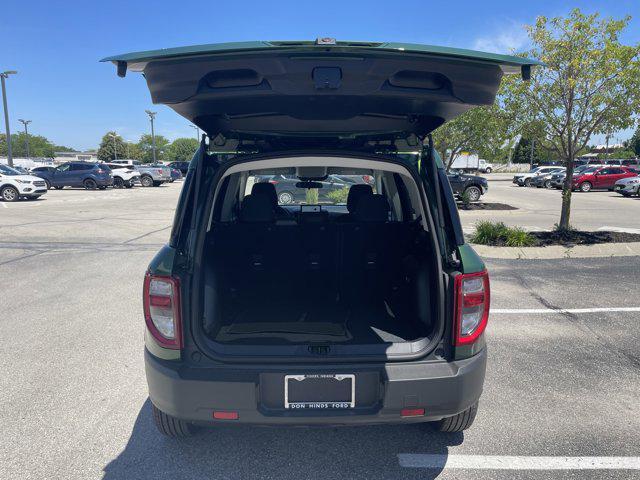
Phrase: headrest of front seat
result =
(372, 208)
(256, 209)
(356, 192)
(267, 189)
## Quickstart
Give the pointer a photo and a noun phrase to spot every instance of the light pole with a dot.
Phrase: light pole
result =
(3, 76)
(26, 133)
(115, 148)
(197, 131)
(152, 115)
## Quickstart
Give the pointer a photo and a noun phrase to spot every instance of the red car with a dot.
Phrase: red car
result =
(602, 178)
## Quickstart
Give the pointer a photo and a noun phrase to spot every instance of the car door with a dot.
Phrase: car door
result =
(603, 177)
(76, 171)
(616, 174)
(457, 182)
(60, 175)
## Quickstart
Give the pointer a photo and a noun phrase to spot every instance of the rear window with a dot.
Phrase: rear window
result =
(105, 167)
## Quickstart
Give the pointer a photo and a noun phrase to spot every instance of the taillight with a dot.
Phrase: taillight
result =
(160, 172)
(101, 171)
(161, 298)
(472, 306)
(273, 182)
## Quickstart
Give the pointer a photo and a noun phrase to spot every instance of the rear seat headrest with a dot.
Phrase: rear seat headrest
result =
(356, 192)
(372, 208)
(267, 189)
(256, 209)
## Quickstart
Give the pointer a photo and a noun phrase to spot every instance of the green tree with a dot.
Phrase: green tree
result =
(39, 146)
(590, 85)
(181, 150)
(109, 147)
(634, 143)
(475, 130)
(522, 151)
(146, 146)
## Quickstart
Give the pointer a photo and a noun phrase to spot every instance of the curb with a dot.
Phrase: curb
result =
(630, 249)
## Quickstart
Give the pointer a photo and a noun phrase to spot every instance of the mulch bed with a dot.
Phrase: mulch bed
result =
(577, 237)
(485, 206)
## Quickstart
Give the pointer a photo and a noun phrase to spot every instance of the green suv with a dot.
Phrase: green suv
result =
(369, 308)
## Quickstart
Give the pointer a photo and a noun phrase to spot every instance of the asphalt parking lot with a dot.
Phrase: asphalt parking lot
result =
(561, 384)
(539, 208)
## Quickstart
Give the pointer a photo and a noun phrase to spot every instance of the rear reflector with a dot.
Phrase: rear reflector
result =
(225, 415)
(412, 412)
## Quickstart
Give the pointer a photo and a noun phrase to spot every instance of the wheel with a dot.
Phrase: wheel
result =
(90, 184)
(10, 194)
(585, 187)
(488, 170)
(47, 184)
(285, 198)
(527, 182)
(118, 182)
(102, 187)
(171, 426)
(547, 184)
(128, 185)
(146, 181)
(473, 193)
(59, 187)
(459, 422)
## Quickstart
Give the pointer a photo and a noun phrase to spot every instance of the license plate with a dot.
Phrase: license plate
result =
(320, 392)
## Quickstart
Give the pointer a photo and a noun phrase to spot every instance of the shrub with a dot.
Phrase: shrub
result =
(338, 196)
(497, 233)
(312, 196)
(516, 237)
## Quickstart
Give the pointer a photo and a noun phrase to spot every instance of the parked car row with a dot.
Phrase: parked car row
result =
(621, 179)
(15, 184)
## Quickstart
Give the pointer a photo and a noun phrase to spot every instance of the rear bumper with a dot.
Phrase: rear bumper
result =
(193, 394)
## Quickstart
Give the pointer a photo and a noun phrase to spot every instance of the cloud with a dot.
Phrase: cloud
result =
(508, 38)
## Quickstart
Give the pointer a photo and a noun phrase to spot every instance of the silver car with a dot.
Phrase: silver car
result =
(627, 186)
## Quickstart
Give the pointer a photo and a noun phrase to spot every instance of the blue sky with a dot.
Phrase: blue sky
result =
(73, 100)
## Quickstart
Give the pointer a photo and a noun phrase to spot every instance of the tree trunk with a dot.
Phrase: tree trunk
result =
(565, 213)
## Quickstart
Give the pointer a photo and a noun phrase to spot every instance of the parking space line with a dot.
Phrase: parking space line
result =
(564, 310)
(505, 462)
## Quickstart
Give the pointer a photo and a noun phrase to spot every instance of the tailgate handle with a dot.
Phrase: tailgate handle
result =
(327, 78)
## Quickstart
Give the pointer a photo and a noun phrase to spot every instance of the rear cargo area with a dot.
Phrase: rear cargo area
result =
(317, 283)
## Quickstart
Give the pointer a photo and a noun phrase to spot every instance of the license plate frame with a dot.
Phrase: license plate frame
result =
(322, 404)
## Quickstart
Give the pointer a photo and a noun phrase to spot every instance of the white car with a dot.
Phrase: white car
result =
(627, 186)
(524, 179)
(14, 185)
(124, 175)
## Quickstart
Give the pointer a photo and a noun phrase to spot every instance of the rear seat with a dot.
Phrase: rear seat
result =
(261, 257)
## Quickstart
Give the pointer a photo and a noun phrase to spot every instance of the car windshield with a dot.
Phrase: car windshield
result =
(332, 189)
(5, 170)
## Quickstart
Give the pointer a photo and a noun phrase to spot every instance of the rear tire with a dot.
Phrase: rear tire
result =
(90, 184)
(459, 422)
(47, 184)
(171, 426)
(473, 193)
(146, 181)
(60, 187)
(285, 198)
